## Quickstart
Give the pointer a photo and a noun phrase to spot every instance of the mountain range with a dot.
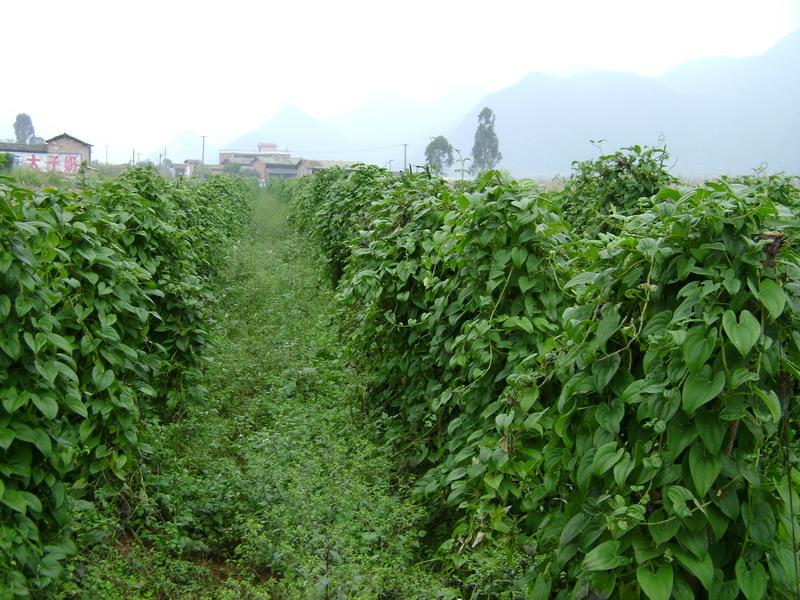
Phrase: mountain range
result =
(726, 115)
(720, 115)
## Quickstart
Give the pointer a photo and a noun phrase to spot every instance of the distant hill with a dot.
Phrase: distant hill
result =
(302, 134)
(373, 132)
(383, 123)
(719, 115)
(716, 115)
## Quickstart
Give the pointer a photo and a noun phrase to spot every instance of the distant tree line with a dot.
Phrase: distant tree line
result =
(439, 153)
(24, 131)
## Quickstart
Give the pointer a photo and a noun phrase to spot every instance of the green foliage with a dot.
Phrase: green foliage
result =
(603, 189)
(613, 405)
(338, 220)
(6, 161)
(439, 154)
(23, 128)
(778, 187)
(485, 149)
(291, 495)
(103, 292)
(33, 178)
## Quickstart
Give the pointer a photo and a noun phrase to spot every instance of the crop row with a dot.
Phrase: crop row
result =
(103, 296)
(597, 387)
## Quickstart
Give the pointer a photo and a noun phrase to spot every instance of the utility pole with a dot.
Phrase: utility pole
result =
(203, 155)
(405, 153)
(106, 154)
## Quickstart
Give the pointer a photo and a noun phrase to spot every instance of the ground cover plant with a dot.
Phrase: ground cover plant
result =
(103, 292)
(273, 485)
(596, 387)
(494, 391)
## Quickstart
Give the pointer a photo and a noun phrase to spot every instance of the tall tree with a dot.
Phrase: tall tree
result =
(486, 149)
(439, 154)
(23, 128)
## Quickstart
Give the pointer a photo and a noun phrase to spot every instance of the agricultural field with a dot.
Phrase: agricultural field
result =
(373, 385)
(595, 388)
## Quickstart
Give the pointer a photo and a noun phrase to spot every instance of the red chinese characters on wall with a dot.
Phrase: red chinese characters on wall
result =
(53, 162)
(70, 163)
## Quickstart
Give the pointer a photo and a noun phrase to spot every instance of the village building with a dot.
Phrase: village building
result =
(67, 144)
(191, 167)
(60, 154)
(268, 162)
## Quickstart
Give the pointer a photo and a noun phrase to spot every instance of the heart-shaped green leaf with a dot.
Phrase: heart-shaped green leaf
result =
(604, 370)
(72, 399)
(772, 297)
(658, 585)
(711, 429)
(10, 345)
(698, 346)
(609, 416)
(727, 590)
(46, 405)
(608, 325)
(518, 255)
(456, 474)
(606, 457)
(743, 334)
(527, 398)
(771, 401)
(704, 467)
(681, 500)
(102, 378)
(525, 283)
(604, 557)
(22, 305)
(48, 370)
(15, 501)
(702, 568)
(699, 389)
(752, 582)
(6, 437)
(623, 468)
(493, 480)
(661, 528)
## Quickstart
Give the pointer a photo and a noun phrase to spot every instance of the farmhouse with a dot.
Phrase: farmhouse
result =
(67, 144)
(60, 154)
(268, 162)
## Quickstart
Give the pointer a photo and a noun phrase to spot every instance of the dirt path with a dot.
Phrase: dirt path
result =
(275, 487)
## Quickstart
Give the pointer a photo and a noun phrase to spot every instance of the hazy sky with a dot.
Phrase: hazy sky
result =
(135, 74)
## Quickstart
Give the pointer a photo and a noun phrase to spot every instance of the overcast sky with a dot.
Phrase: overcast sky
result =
(135, 74)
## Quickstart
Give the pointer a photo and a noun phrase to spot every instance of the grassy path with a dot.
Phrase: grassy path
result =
(274, 487)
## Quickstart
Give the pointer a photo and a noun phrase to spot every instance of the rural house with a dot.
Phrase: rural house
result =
(270, 163)
(60, 154)
(67, 144)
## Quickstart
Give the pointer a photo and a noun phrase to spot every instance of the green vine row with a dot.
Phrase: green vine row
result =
(597, 387)
(103, 296)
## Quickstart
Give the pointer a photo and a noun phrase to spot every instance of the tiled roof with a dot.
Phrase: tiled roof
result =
(72, 137)
(11, 147)
(238, 160)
